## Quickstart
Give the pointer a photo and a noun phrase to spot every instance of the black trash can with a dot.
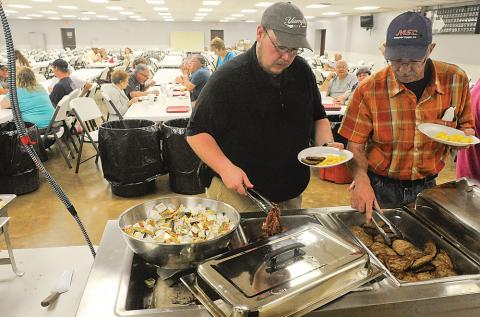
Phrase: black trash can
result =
(18, 173)
(131, 156)
(182, 163)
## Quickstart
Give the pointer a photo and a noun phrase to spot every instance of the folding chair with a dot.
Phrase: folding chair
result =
(111, 106)
(58, 129)
(85, 109)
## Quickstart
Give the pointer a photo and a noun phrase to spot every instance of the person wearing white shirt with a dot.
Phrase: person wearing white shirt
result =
(115, 91)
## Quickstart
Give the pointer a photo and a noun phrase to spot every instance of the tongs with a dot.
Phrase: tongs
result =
(262, 202)
(396, 233)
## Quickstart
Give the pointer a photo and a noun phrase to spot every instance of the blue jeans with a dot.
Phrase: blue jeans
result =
(393, 193)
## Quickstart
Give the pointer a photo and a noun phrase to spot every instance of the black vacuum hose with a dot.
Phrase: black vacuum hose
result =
(22, 132)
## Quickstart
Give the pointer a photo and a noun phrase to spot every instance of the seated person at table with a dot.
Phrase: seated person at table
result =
(77, 82)
(332, 64)
(35, 106)
(341, 83)
(199, 77)
(362, 73)
(92, 56)
(65, 83)
(218, 47)
(138, 82)
(138, 61)
(127, 57)
(3, 80)
(115, 91)
(21, 60)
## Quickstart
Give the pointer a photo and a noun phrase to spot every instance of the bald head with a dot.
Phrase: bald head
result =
(337, 57)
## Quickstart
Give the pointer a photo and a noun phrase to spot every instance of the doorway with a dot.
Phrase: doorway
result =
(68, 38)
(320, 36)
(216, 33)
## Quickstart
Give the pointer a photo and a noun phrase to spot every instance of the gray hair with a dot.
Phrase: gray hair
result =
(140, 68)
(200, 59)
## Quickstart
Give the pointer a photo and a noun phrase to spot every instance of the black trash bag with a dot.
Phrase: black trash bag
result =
(130, 151)
(182, 163)
(13, 156)
(18, 173)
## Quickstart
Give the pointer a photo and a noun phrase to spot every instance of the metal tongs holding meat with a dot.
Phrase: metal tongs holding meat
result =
(271, 226)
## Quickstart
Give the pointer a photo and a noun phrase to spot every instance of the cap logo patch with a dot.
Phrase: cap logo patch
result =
(406, 34)
(294, 23)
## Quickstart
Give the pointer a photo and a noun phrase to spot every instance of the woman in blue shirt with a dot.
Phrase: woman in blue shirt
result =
(35, 105)
(218, 46)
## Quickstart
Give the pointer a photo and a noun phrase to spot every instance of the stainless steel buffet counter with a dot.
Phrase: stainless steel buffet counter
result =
(112, 292)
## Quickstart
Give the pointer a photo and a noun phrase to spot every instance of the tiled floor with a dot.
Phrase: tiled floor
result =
(40, 220)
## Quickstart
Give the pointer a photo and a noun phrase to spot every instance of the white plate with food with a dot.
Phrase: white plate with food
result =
(324, 156)
(447, 135)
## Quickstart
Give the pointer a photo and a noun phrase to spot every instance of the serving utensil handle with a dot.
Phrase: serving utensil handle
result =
(50, 299)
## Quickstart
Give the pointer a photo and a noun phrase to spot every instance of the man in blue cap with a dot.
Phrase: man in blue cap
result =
(257, 112)
(393, 161)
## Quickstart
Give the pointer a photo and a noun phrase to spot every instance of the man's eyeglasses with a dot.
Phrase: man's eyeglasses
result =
(283, 49)
(414, 63)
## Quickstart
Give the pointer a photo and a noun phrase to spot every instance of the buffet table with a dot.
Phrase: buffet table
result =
(109, 288)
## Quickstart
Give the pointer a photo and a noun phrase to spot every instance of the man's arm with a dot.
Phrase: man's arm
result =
(207, 149)
(323, 132)
(363, 196)
(136, 93)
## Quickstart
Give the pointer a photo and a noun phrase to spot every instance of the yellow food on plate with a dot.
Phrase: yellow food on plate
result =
(459, 138)
(331, 159)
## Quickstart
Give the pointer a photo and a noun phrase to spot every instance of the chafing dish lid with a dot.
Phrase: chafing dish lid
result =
(453, 209)
(295, 259)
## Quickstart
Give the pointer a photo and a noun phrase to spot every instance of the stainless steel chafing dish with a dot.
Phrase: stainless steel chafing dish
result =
(291, 273)
(448, 215)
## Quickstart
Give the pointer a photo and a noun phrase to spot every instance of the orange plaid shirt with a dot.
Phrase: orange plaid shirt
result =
(384, 114)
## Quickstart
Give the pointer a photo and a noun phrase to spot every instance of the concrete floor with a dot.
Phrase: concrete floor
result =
(39, 219)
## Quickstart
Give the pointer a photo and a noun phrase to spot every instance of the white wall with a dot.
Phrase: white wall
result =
(115, 34)
(356, 44)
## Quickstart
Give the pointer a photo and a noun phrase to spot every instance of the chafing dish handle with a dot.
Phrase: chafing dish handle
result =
(276, 258)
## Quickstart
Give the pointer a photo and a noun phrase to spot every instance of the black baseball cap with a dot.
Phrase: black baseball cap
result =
(61, 64)
(288, 23)
(408, 36)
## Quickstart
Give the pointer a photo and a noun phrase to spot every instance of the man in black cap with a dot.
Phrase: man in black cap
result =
(64, 86)
(393, 161)
(257, 112)
(3, 80)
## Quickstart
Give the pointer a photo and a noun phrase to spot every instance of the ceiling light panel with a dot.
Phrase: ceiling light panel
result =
(68, 7)
(248, 11)
(317, 6)
(367, 8)
(263, 4)
(115, 8)
(211, 3)
(155, 1)
(20, 6)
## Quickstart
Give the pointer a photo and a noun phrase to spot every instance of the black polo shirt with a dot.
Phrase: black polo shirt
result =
(133, 85)
(261, 123)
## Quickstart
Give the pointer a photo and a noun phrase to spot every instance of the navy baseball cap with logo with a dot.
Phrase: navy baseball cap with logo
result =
(408, 36)
(288, 23)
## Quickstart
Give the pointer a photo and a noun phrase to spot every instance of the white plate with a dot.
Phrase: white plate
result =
(324, 151)
(430, 129)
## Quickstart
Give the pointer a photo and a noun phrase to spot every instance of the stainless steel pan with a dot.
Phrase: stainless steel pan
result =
(177, 256)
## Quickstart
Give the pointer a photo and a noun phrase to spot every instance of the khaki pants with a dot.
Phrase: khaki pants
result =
(218, 191)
